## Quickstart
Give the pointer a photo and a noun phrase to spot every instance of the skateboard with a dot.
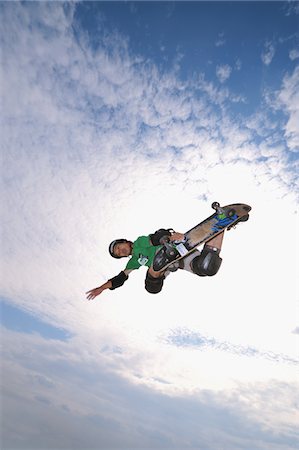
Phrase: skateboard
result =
(224, 218)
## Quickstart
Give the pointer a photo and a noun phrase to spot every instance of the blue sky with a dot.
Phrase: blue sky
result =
(218, 34)
(19, 320)
(120, 118)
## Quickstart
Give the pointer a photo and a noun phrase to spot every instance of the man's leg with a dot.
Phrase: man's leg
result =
(215, 243)
(154, 281)
(206, 262)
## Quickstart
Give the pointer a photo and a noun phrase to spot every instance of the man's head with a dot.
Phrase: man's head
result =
(120, 248)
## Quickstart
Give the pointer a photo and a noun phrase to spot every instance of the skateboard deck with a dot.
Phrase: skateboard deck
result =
(224, 218)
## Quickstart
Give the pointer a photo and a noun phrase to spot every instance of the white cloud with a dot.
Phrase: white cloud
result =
(294, 54)
(268, 53)
(220, 40)
(87, 405)
(98, 143)
(289, 99)
(223, 72)
(291, 8)
(238, 64)
(71, 180)
(219, 96)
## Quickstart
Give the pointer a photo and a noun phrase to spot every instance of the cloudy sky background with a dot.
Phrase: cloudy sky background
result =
(120, 118)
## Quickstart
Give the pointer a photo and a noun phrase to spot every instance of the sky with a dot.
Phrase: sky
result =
(119, 118)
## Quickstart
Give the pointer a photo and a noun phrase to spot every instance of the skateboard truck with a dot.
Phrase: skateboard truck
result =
(217, 207)
(241, 219)
(169, 249)
(223, 212)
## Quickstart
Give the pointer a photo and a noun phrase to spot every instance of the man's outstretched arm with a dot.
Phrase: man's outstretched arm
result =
(93, 293)
(111, 284)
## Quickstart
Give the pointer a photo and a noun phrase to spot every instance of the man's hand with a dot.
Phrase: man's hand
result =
(91, 295)
(177, 237)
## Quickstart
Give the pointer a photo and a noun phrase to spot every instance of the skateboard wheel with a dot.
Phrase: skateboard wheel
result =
(244, 218)
(215, 205)
(231, 213)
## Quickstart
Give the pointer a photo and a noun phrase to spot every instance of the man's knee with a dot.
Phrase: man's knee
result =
(153, 285)
(207, 263)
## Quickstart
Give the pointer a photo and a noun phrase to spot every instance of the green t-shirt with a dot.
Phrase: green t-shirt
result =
(143, 253)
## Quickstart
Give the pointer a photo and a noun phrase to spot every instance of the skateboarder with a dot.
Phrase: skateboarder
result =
(142, 253)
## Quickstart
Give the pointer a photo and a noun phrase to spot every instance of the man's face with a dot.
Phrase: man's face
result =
(121, 250)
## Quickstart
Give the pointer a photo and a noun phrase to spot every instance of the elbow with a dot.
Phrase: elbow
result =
(118, 280)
